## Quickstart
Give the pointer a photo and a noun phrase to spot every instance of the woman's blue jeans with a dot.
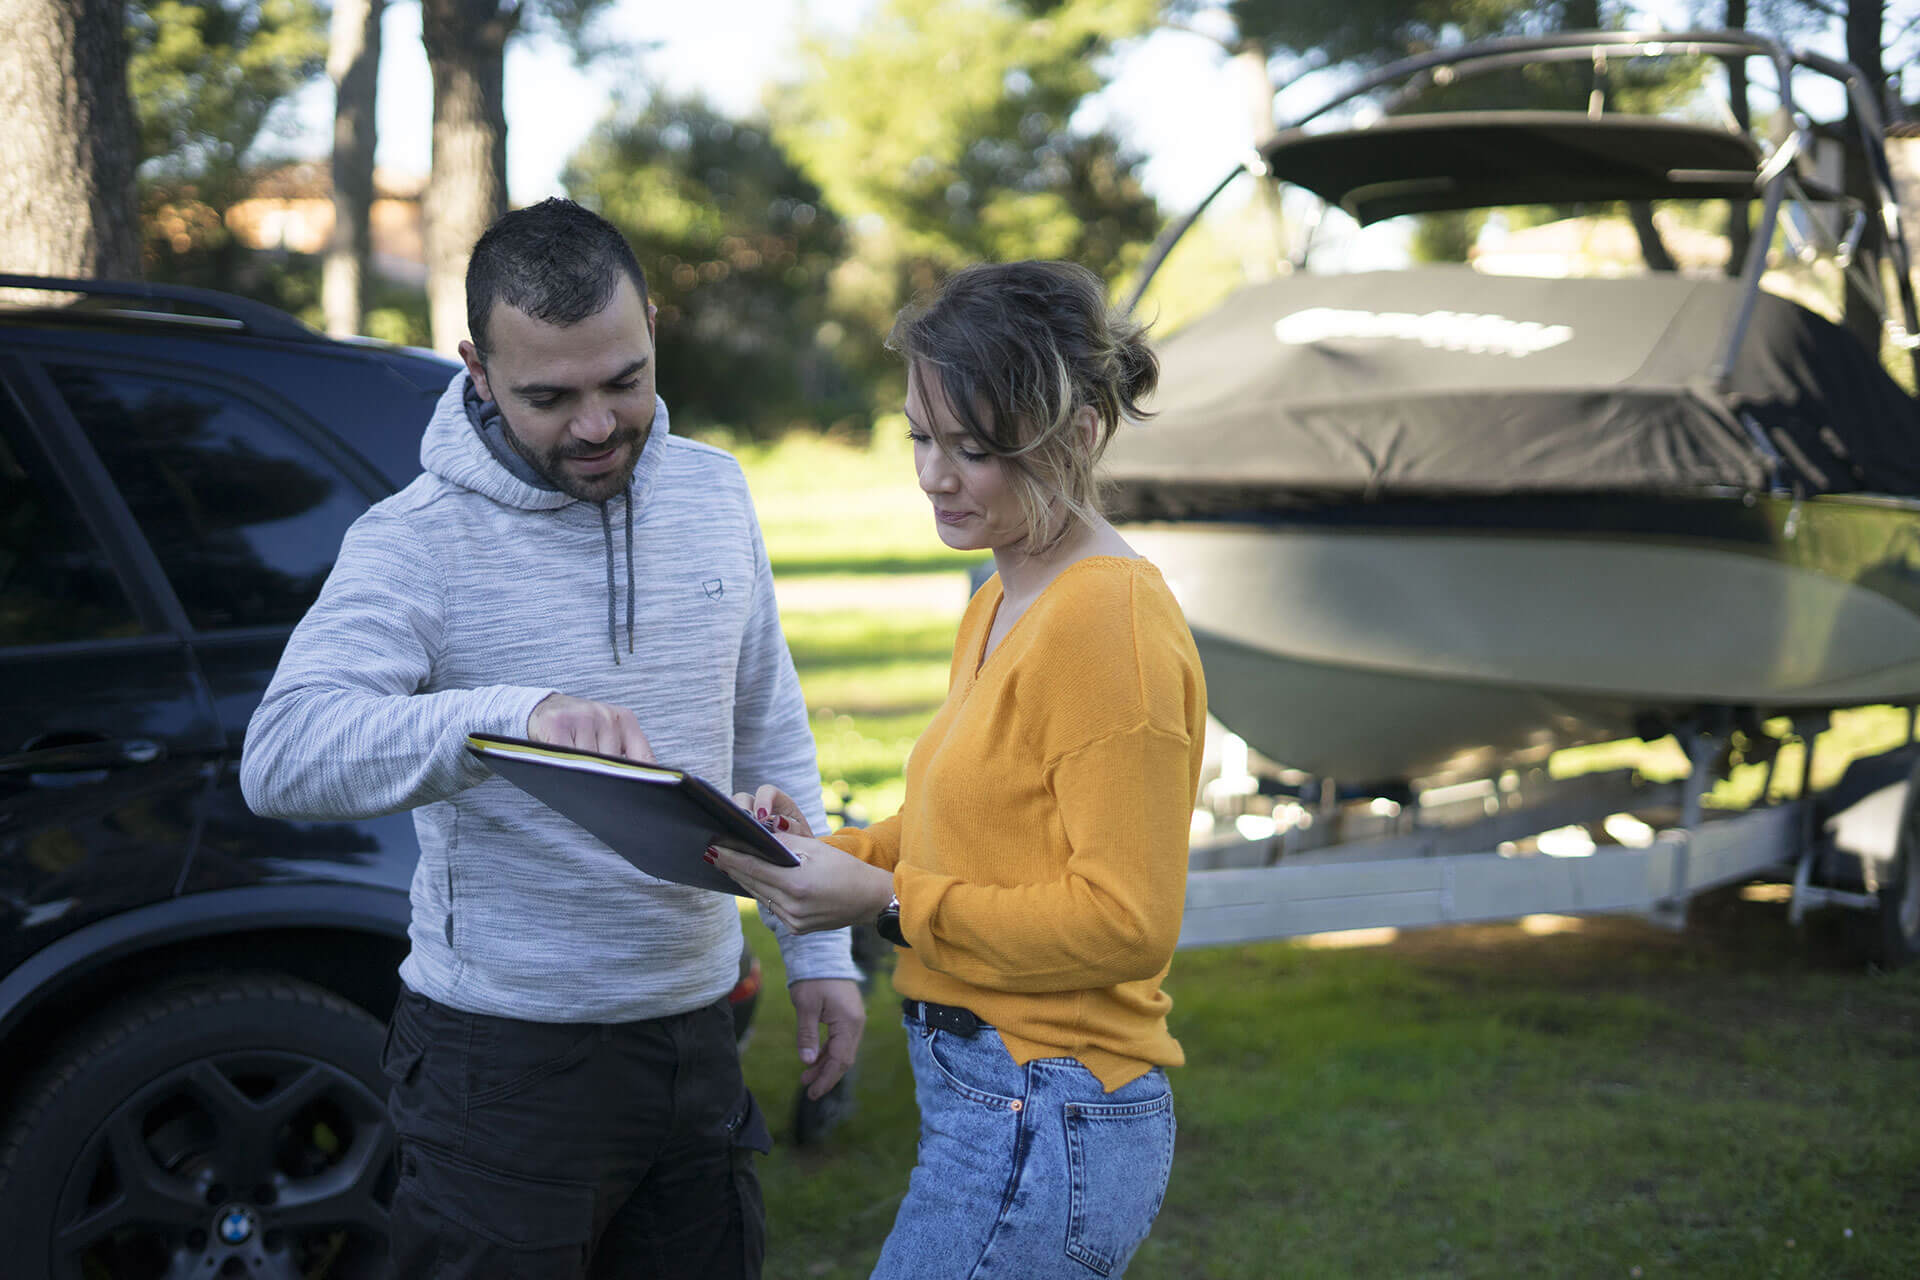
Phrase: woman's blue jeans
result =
(1026, 1173)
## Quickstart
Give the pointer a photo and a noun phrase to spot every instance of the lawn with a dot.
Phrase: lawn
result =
(875, 598)
(1486, 1101)
(1550, 1098)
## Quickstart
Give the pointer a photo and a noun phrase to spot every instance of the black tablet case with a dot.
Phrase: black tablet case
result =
(660, 819)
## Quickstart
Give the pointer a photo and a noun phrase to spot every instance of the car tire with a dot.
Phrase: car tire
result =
(228, 1126)
(1896, 940)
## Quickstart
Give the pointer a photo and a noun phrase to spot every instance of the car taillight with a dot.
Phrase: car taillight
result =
(748, 986)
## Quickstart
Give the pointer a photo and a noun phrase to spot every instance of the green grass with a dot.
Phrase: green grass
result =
(1471, 1102)
(846, 521)
(829, 507)
(872, 681)
(1855, 732)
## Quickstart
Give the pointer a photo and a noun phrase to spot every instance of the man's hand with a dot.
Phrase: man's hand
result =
(562, 721)
(836, 1002)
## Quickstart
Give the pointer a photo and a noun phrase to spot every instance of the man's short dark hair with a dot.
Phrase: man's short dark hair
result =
(554, 260)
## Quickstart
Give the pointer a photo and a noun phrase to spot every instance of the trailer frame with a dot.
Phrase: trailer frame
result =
(1852, 845)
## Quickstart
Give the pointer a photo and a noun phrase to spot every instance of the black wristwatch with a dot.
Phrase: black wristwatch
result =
(887, 924)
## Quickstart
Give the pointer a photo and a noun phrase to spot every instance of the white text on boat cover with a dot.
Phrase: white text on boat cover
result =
(1442, 330)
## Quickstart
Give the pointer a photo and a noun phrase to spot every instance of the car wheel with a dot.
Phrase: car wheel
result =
(1898, 933)
(229, 1127)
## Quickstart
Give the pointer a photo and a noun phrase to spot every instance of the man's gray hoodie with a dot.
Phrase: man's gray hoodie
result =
(457, 605)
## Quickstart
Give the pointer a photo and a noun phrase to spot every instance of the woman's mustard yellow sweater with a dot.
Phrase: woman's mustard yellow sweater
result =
(1041, 854)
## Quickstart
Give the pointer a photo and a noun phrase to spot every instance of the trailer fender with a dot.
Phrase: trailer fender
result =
(1869, 829)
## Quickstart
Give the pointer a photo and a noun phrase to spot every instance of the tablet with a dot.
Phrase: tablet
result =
(659, 819)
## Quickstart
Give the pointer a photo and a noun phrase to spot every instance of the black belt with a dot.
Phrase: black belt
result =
(944, 1017)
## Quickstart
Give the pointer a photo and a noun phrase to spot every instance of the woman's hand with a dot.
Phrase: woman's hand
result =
(829, 889)
(774, 809)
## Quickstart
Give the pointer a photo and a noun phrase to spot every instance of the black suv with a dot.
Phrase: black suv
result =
(191, 997)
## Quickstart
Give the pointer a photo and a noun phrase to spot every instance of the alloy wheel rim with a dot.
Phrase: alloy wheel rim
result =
(260, 1163)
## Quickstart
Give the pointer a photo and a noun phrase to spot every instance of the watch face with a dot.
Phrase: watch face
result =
(888, 926)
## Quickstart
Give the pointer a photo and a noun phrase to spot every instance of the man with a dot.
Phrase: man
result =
(565, 1085)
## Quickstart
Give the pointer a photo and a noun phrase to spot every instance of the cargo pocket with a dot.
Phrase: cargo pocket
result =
(405, 1047)
(1119, 1156)
(747, 1132)
(544, 1227)
(509, 1060)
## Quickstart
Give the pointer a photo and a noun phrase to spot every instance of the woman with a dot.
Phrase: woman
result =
(1035, 874)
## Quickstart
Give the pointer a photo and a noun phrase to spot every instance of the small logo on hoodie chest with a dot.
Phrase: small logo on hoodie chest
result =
(714, 588)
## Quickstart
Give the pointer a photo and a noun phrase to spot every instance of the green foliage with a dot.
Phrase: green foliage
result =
(737, 246)
(394, 313)
(204, 75)
(1377, 31)
(942, 133)
(1446, 237)
(1214, 258)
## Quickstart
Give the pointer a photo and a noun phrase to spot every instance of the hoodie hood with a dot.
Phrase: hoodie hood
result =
(465, 445)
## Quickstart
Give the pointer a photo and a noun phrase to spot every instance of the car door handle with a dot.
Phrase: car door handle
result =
(74, 757)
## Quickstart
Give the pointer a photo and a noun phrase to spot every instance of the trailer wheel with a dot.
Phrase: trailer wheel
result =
(1897, 937)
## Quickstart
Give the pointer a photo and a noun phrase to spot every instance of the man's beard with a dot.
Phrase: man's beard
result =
(548, 463)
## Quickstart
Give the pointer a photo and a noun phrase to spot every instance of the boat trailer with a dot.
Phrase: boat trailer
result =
(1486, 851)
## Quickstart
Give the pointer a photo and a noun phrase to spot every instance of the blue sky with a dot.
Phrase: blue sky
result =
(1170, 96)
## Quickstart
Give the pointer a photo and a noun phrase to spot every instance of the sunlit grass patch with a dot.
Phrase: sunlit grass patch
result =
(862, 758)
(828, 506)
(853, 638)
(884, 687)
(872, 680)
(1855, 732)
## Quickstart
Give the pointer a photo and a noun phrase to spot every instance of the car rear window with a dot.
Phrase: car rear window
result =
(55, 583)
(244, 515)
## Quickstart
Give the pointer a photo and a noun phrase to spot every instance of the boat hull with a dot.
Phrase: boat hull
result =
(1389, 641)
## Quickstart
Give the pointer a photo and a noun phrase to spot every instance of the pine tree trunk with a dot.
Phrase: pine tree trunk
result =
(467, 190)
(1739, 214)
(67, 205)
(1864, 22)
(353, 63)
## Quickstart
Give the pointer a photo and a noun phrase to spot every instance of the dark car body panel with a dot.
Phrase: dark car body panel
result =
(121, 820)
(362, 909)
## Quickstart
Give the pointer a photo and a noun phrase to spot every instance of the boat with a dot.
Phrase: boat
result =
(1432, 523)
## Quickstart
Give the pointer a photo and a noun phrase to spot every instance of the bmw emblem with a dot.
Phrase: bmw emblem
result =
(235, 1225)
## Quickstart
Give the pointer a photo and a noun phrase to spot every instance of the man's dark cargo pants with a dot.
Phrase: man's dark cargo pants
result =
(561, 1151)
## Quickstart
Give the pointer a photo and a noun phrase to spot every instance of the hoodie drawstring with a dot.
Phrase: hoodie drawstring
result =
(627, 501)
(606, 532)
